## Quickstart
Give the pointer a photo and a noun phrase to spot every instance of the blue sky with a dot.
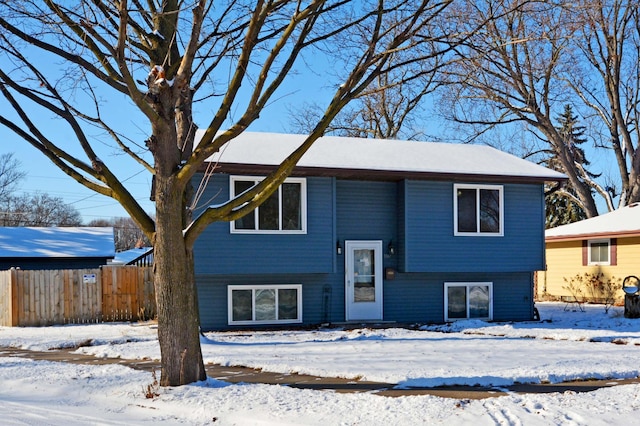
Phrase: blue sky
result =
(44, 177)
(308, 82)
(306, 85)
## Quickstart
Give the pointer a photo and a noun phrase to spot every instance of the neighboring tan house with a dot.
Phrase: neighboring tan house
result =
(372, 231)
(608, 244)
(55, 247)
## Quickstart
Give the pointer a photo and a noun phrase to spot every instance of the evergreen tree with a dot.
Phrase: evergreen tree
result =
(563, 206)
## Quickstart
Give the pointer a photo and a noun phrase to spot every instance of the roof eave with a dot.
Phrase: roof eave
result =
(388, 175)
(592, 236)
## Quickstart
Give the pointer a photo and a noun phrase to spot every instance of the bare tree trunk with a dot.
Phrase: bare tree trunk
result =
(174, 271)
(174, 275)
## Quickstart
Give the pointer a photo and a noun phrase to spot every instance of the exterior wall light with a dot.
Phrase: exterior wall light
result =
(338, 247)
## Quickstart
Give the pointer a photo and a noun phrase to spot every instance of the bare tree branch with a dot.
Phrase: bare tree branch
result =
(165, 57)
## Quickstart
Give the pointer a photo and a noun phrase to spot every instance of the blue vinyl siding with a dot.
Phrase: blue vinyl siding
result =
(410, 298)
(416, 215)
(419, 297)
(431, 246)
(366, 210)
(218, 251)
(401, 249)
(212, 296)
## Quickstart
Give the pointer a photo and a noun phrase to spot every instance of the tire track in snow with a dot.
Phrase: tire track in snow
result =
(501, 414)
(46, 415)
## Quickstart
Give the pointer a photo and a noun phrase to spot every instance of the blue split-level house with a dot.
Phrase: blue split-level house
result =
(372, 231)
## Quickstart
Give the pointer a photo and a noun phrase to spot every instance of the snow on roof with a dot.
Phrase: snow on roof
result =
(56, 242)
(334, 152)
(624, 221)
(126, 256)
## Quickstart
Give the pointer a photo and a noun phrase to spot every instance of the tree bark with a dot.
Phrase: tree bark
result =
(174, 275)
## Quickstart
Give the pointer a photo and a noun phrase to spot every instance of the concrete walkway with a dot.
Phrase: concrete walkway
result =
(302, 381)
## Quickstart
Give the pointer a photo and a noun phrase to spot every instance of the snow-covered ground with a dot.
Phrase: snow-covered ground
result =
(566, 345)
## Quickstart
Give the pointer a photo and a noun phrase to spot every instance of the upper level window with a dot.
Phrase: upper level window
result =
(285, 211)
(599, 252)
(478, 210)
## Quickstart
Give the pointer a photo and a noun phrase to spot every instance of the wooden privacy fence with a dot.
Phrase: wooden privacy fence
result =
(47, 297)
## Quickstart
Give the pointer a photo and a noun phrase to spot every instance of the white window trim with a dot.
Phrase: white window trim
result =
(603, 240)
(467, 285)
(253, 288)
(500, 190)
(303, 207)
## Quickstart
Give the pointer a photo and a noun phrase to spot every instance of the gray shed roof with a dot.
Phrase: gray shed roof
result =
(56, 242)
(390, 156)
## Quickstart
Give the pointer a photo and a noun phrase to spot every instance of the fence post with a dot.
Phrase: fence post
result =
(14, 298)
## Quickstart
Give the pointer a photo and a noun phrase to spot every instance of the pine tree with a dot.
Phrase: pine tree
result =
(563, 207)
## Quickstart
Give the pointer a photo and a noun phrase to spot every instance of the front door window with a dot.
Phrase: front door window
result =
(364, 276)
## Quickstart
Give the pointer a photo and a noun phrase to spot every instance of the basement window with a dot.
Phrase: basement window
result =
(265, 304)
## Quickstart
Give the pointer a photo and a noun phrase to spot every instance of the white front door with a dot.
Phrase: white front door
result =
(363, 280)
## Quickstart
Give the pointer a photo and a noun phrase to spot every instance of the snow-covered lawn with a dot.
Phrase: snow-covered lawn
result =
(567, 345)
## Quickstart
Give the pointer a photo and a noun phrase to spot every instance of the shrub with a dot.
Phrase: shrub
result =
(599, 289)
(604, 291)
(575, 287)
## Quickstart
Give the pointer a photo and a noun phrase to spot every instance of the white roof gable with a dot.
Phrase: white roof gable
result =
(332, 152)
(126, 256)
(624, 221)
(56, 242)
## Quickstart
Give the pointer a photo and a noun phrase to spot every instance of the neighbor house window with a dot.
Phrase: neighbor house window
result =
(599, 252)
(468, 301)
(265, 304)
(478, 210)
(285, 211)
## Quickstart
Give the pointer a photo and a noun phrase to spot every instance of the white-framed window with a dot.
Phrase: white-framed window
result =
(265, 304)
(599, 252)
(478, 210)
(284, 212)
(468, 301)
